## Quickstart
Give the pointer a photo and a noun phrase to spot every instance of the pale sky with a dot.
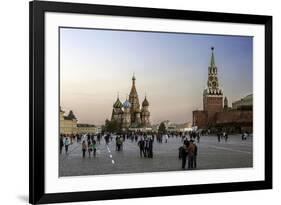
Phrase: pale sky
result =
(171, 68)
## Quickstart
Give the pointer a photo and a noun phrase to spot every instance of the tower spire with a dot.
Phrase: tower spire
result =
(212, 64)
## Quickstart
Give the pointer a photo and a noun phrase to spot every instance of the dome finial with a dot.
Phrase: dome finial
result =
(134, 78)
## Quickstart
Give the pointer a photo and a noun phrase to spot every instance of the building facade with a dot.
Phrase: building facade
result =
(245, 103)
(69, 125)
(130, 114)
(86, 129)
(216, 113)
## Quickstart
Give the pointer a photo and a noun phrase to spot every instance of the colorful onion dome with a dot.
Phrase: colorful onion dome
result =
(118, 104)
(127, 104)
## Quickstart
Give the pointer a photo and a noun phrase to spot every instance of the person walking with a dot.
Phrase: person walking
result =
(146, 147)
(84, 148)
(118, 143)
(141, 146)
(226, 137)
(98, 138)
(190, 154)
(180, 152)
(166, 138)
(245, 136)
(198, 137)
(106, 139)
(61, 143)
(90, 148)
(94, 148)
(184, 154)
(66, 144)
(195, 155)
(150, 148)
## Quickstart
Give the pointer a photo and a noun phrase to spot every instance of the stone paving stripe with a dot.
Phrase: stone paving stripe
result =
(228, 149)
(112, 161)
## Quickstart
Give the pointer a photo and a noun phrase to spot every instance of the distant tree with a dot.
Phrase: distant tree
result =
(162, 128)
(103, 129)
(112, 126)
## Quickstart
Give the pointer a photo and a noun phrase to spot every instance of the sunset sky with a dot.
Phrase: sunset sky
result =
(171, 68)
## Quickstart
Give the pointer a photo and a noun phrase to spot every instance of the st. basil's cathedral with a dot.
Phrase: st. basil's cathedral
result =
(129, 114)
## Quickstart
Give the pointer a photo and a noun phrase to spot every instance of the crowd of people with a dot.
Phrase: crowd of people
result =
(90, 146)
(144, 141)
(146, 146)
(222, 135)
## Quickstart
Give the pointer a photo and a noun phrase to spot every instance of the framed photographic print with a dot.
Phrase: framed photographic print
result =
(130, 102)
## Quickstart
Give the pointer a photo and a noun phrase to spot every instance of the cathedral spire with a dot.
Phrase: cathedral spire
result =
(212, 64)
(133, 89)
(134, 100)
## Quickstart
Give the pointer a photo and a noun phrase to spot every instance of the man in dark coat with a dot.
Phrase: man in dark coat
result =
(190, 154)
(219, 137)
(61, 143)
(184, 153)
(150, 148)
(141, 146)
(195, 155)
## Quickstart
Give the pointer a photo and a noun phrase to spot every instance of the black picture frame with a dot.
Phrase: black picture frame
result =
(37, 10)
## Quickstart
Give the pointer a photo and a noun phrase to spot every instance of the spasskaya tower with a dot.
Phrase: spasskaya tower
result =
(213, 94)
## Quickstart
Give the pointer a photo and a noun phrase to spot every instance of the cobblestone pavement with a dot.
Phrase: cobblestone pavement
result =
(212, 154)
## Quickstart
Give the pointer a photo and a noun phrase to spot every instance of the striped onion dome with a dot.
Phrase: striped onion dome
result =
(118, 104)
(127, 104)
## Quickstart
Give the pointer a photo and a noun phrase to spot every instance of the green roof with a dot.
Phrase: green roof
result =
(118, 104)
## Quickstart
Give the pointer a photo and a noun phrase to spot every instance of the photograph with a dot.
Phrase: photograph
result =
(133, 101)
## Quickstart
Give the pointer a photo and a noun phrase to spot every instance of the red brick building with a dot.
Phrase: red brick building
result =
(216, 113)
